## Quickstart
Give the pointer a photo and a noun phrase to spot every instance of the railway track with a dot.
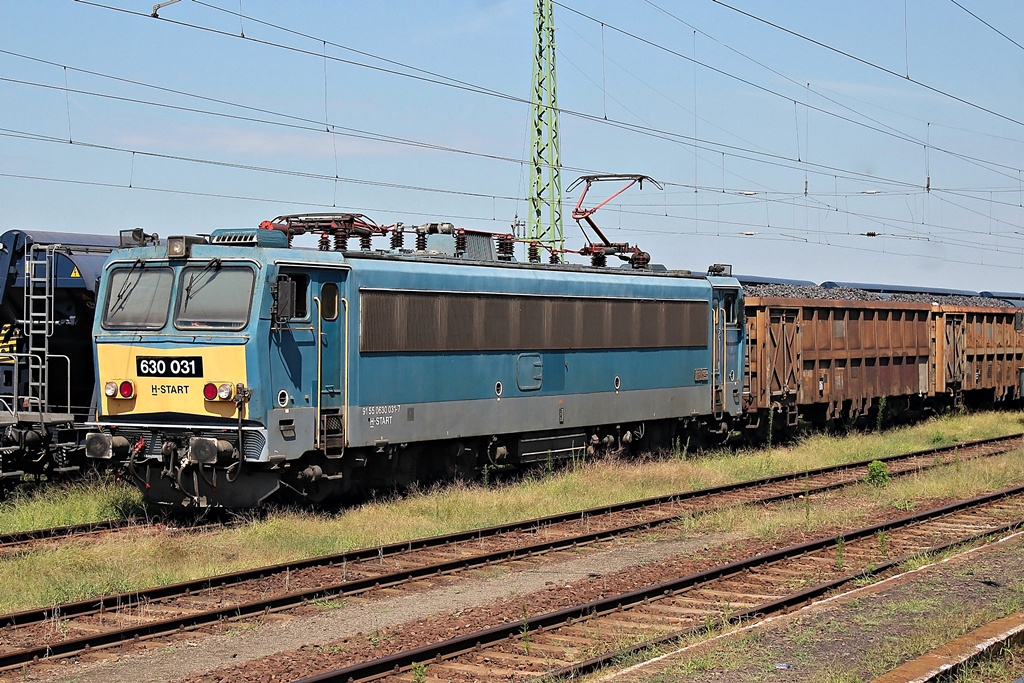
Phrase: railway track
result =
(21, 541)
(76, 627)
(582, 638)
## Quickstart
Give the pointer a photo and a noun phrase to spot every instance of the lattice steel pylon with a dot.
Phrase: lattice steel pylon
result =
(545, 219)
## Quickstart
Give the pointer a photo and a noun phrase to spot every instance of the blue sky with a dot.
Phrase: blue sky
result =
(241, 135)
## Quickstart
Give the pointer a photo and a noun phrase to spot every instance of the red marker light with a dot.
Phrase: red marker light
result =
(127, 389)
(210, 392)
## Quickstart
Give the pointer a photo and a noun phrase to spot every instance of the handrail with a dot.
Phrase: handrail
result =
(345, 379)
(319, 367)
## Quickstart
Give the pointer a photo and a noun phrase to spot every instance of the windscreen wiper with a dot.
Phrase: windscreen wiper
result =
(125, 287)
(215, 263)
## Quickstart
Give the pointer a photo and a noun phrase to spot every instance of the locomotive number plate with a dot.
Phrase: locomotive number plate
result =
(169, 366)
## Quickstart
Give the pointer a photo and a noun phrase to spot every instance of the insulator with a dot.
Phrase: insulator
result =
(341, 240)
(553, 258)
(364, 242)
(598, 259)
(460, 241)
(397, 238)
(506, 247)
(325, 242)
(421, 240)
(533, 252)
(290, 238)
(641, 260)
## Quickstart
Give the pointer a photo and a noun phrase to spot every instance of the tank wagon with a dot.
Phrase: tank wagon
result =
(235, 367)
(47, 300)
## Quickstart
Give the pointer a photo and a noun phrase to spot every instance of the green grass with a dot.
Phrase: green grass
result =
(81, 569)
(1003, 665)
(93, 499)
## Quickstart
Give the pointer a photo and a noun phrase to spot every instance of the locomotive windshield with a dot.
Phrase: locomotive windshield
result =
(214, 296)
(138, 298)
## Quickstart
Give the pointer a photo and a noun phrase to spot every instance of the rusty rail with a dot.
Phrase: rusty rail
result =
(793, 485)
(463, 650)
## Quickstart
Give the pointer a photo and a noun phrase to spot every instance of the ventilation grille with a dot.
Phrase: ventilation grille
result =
(422, 321)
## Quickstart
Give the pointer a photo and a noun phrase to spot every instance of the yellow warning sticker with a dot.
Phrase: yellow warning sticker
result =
(75, 273)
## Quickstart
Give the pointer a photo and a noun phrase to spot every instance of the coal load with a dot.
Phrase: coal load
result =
(951, 300)
(781, 291)
(788, 291)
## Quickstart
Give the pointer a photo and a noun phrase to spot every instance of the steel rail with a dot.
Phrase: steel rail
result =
(350, 587)
(122, 600)
(437, 652)
(23, 537)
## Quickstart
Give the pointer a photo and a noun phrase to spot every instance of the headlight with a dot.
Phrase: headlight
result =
(218, 392)
(110, 389)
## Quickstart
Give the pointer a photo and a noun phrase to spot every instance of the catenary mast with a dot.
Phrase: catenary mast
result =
(545, 220)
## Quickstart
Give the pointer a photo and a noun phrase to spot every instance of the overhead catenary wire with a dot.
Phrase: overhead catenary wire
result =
(865, 62)
(440, 79)
(712, 148)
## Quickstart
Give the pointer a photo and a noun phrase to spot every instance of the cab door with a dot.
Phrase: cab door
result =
(727, 350)
(307, 363)
(719, 361)
(331, 319)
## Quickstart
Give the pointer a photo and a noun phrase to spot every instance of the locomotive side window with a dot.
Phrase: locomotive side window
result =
(730, 308)
(329, 301)
(138, 298)
(214, 296)
(301, 294)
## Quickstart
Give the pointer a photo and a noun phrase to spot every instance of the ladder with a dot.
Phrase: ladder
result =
(37, 321)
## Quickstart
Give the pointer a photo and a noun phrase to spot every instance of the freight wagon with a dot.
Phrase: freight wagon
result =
(47, 299)
(839, 361)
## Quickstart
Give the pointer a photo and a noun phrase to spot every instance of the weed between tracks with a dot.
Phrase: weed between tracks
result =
(94, 499)
(81, 569)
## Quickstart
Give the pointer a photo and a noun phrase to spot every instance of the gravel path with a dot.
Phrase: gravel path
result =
(199, 653)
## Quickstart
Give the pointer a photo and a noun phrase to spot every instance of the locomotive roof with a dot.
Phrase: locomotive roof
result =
(273, 248)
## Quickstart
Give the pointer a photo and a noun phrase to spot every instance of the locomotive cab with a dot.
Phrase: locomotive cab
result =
(176, 354)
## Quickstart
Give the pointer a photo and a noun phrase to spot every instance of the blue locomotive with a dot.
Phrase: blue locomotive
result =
(235, 367)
